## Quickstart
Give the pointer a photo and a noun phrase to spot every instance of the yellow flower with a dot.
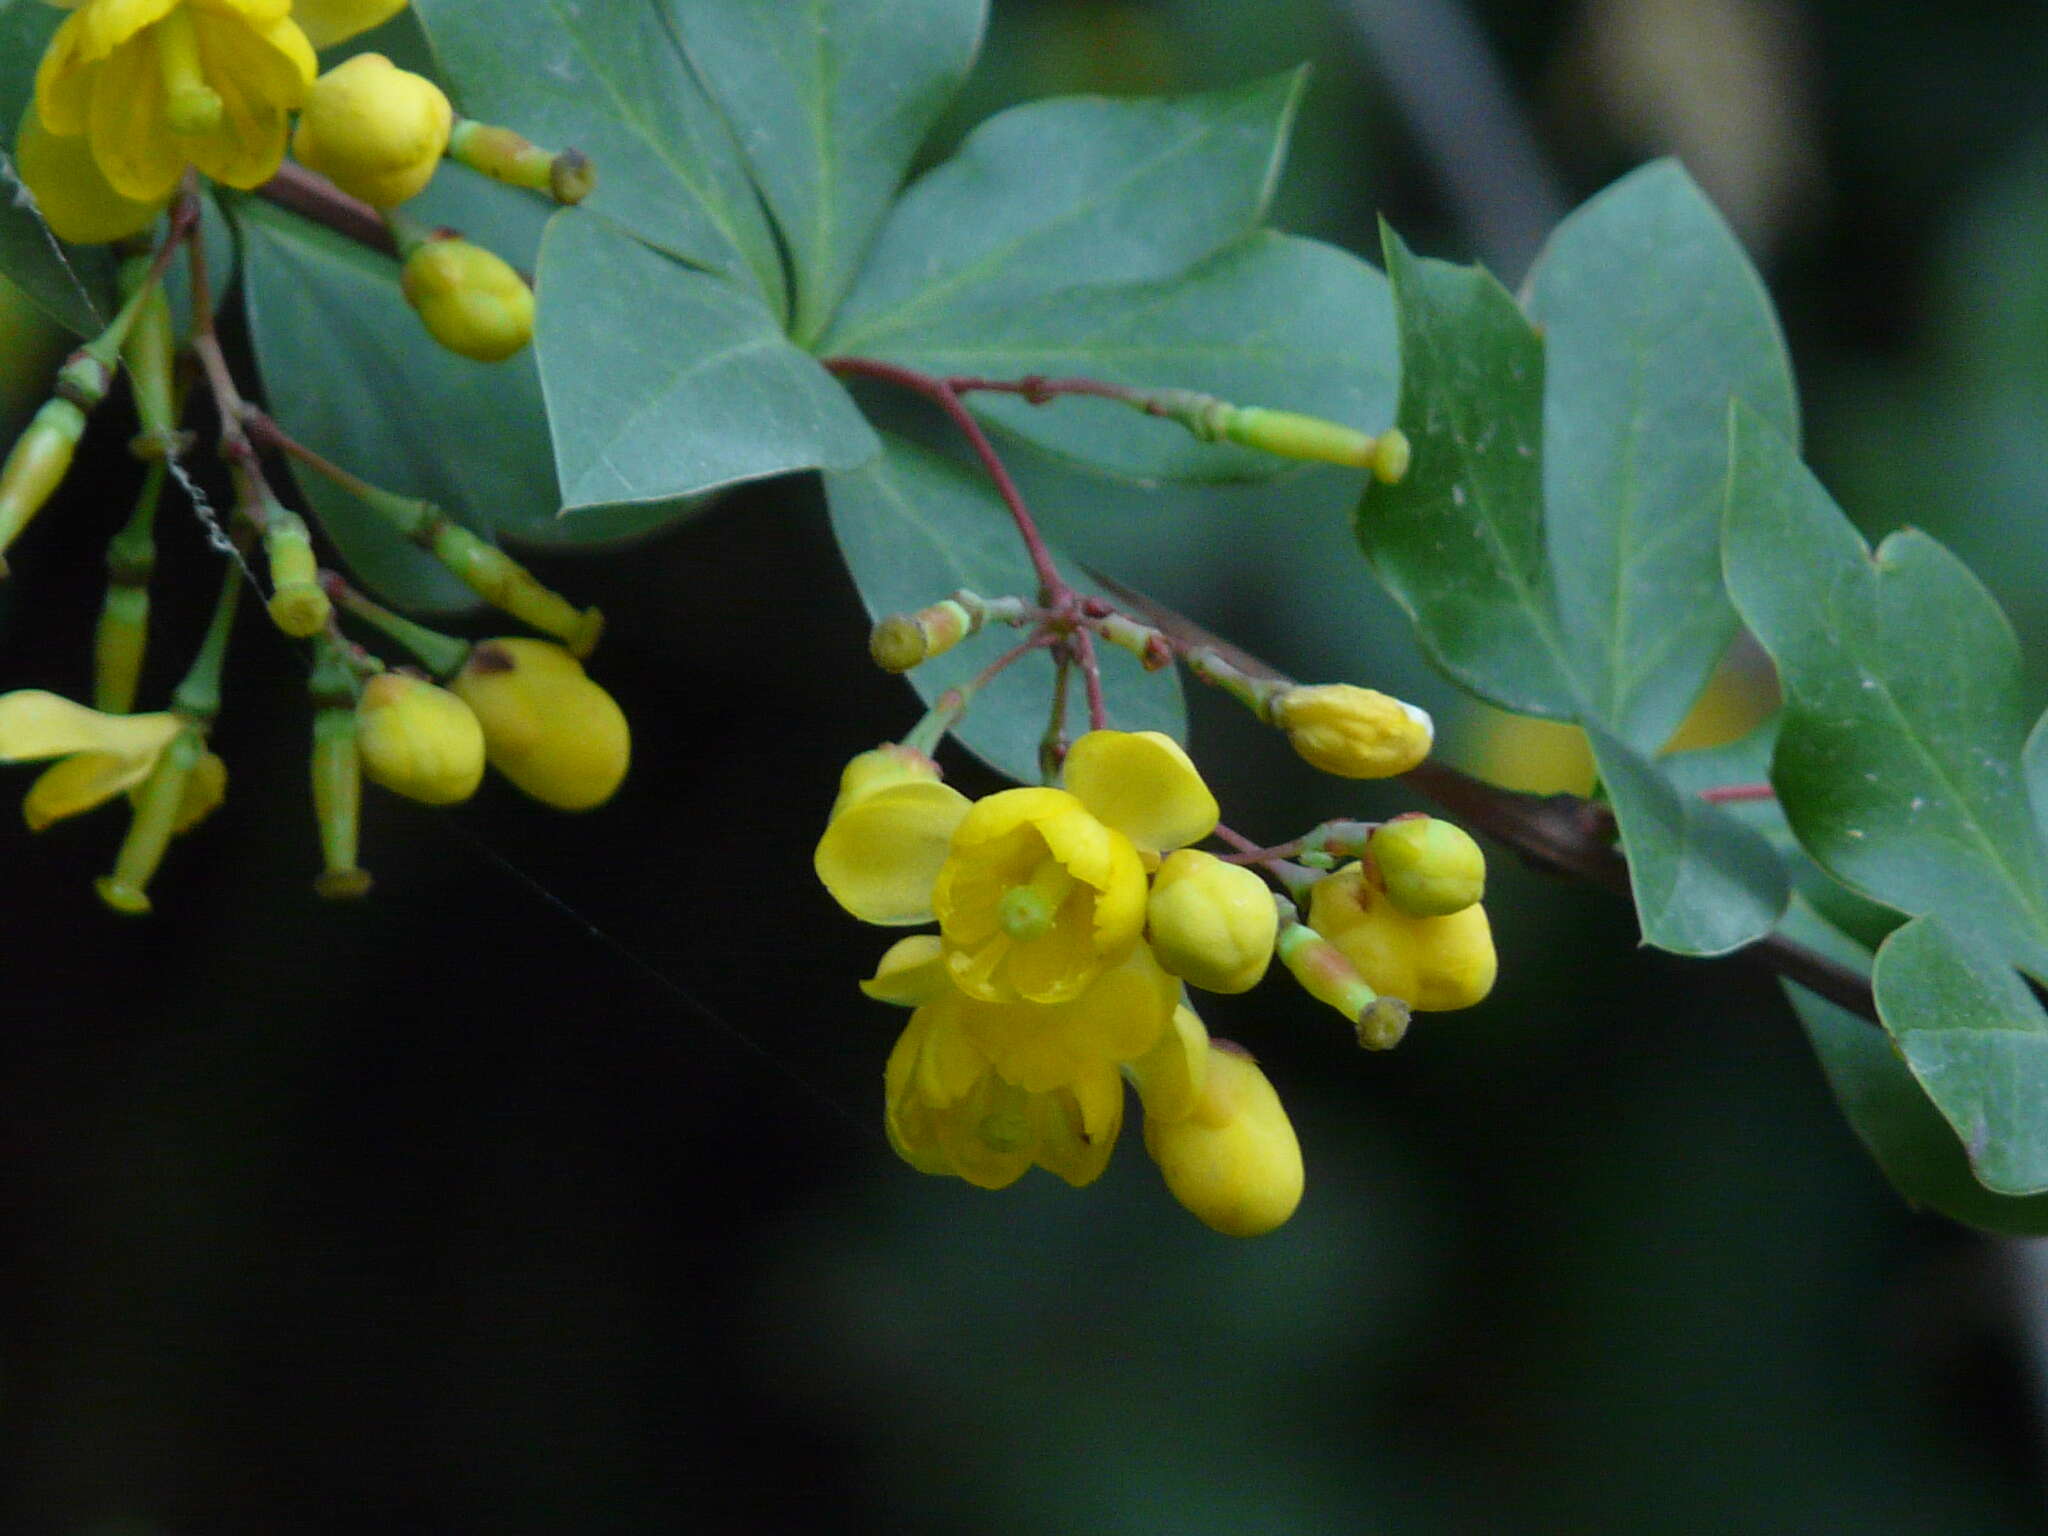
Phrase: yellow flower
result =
(374, 130)
(1045, 888)
(100, 754)
(1233, 1159)
(1435, 964)
(887, 836)
(949, 1110)
(1039, 1046)
(157, 85)
(547, 727)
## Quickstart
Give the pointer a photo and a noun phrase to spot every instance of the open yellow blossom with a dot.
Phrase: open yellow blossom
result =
(157, 85)
(101, 754)
(70, 192)
(1045, 888)
(1119, 1019)
(950, 1111)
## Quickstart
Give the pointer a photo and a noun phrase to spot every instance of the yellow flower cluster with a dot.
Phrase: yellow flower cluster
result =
(132, 92)
(1040, 994)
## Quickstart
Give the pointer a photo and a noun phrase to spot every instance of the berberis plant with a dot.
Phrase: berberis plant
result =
(1578, 495)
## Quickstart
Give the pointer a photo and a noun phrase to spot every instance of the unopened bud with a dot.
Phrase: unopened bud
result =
(376, 131)
(1294, 436)
(1211, 923)
(1429, 867)
(1234, 1160)
(418, 740)
(547, 727)
(470, 300)
(1435, 964)
(37, 465)
(1391, 455)
(1354, 733)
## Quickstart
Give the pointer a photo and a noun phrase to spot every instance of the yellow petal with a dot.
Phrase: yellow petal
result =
(131, 135)
(36, 724)
(1144, 785)
(880, 859)
(328, 22)
(69, 190)
(78, 784)
(259, 75)
(912, 972)
(1078, 1126)
(1169, 1076)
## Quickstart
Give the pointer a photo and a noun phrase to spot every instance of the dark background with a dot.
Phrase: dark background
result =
(545, 1191)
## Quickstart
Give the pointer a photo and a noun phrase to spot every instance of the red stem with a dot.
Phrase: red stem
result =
(1053, 590)
(1738, 794)
(1091, 674)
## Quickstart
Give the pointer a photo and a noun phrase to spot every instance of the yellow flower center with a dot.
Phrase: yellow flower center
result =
(1028, 911)
(1007, 1125)
(190, 104)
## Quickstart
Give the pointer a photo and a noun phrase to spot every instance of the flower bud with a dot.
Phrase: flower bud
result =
(505, 156)
(159, 805)
(1211, 923)
(1429, 867)
(1169, 1077)
(1234, 1160)
(298, 606)
(547, 727)
(1434, 963)
(470, 300)
(1355, 733)
(418, 740)
(376, 131)
(40, 459)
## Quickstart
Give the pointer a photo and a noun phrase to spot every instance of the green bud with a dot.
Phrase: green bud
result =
(470, 300)
(1429, 867)
(297, 605)
(37, 465)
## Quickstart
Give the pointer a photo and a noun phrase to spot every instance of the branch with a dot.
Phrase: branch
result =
(1562, 833)
(321, 201)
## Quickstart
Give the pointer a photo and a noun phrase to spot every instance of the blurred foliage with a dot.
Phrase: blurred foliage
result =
(546, 1193)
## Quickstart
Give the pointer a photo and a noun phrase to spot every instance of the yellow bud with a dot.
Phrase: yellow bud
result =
(37, 465)
(1355, 733)
(1212, 924)
(1434, 963)
(1429, 867)
(1391, 456)
(418, 740)
(547, 727)
(470, 300)
(373, 129)
(1234, 1161)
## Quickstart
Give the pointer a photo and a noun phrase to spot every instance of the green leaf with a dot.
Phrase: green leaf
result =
(74, 285)
(914, 528)
(1748, 761)
(1889, 1111)
(1704, 883)
(829, 99)
(1058, 193)
(1271, 320)
(349, 370)
(1460, 541)
(1899, 760)
(1977, 1040)
(611, 80)
(1652, 319)
(664, 381)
